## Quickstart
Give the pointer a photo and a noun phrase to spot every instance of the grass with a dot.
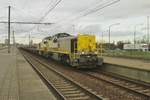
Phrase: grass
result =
(128, 54)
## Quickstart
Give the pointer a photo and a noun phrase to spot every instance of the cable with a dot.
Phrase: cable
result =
(38, 22)
(5, 22)
(50, 9)
(91, 10)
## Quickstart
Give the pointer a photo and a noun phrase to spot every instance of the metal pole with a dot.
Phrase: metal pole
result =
(14, 38)
(134, 36)
(9, 29)
(102, 45)
(29, 40)
(135, 31)
(148, 29)
(73, 26)
(110, 31)
(102, 36)
(109, 37)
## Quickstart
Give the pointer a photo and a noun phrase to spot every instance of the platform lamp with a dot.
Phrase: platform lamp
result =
(110, 26)
(135, 31)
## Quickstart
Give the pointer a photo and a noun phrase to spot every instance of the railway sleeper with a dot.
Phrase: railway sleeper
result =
(80, 98)
(69, 89)
(75, 95)
(115, 80)
(148, 94)
(60, 85)
(71, 92)
(131, 86)
(64, 87)
(138, 88)
(146, 91)
(60, 82)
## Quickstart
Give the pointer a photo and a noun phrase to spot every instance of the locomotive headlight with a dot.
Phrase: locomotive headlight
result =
(82, 52)
(96, 52)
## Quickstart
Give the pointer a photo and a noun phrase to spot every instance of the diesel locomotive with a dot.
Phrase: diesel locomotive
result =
(78, 51)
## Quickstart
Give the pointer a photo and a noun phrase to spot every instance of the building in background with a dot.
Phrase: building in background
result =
(140, 47)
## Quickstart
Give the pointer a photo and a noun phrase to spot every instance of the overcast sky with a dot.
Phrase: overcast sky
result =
(69, 16)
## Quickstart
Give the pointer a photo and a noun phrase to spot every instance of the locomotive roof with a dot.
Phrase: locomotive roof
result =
(66, 38)
(46, 38)
(59, 35)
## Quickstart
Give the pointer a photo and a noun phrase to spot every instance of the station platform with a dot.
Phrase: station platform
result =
(18, 81)
(133, 63)
(134, 69)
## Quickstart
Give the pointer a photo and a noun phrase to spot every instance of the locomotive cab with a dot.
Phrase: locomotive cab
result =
(78, 51)
(84, 51)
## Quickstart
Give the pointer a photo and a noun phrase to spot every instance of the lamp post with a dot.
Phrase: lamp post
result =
(110, 31)
(29, 39)
(148, 29)
(102, 44)
(9, 7)
(135, 29)
(73, 28)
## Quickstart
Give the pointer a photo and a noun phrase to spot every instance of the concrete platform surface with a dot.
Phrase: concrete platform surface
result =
(18, 81)
(133, 63)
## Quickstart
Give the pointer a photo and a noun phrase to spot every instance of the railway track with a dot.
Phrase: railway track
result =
(3, 48)
(64, 87)
(120, 84)
(140, 89)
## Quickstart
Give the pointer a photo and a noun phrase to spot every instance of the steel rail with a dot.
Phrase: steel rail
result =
(118, 82)
(85, 89)
(46, 81)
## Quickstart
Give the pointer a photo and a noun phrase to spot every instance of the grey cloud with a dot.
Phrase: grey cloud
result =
(91, 29)
(32, 10)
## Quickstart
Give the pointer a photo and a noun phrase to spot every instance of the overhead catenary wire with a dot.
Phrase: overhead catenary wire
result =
(94, 9)
(39, 20)
(48, 11)
(86, 12)
(5, 22)
(29, 14)
(91, 10)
